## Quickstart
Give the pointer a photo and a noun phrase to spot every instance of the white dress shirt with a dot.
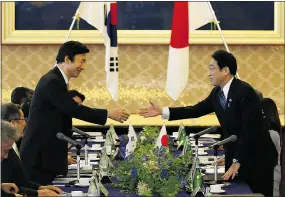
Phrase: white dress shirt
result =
(166, 113)
(63, 74)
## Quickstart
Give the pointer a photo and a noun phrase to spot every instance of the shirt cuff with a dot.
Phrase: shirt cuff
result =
(165, 113)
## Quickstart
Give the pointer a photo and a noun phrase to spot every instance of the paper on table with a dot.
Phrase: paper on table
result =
(73, 166)
(216, 136)
(94, 163)
(90, 133)
(93, 156)
(221, 170)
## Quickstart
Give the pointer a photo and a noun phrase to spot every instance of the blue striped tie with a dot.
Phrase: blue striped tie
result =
(223, 99)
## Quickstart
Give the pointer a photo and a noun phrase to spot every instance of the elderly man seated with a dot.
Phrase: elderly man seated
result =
(12, 168)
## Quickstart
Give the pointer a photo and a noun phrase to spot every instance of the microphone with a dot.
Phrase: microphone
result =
(206, 131)
(61, 136)
(232, 138)
(74, 129)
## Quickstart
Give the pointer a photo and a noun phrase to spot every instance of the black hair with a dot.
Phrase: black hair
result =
(21, 95)
(70, 49)
(226, 59)
(271, 114)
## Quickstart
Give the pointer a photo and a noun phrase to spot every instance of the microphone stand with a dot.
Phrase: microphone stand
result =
(78, 162)
(216, 164)
(196, 146)
(78, 148)
(86, 151)
(215, 181)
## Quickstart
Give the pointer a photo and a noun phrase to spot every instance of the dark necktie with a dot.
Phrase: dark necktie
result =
(223, 99)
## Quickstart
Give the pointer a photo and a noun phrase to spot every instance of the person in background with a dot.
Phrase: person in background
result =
(273, 123)
(9, 135)
(12, 168)
(22, 96)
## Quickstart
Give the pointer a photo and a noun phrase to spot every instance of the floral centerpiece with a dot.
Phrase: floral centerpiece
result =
(151, 170)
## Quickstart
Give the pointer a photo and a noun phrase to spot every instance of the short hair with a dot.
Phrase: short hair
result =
(259, 94)
(226, 59)
(10, 111)
(26, 108)
(8, 132)
(70, 49)
(74, 93)
(21, 95)
(271, 114)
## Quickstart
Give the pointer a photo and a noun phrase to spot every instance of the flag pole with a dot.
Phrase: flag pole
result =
(219, 28)
(70, 28)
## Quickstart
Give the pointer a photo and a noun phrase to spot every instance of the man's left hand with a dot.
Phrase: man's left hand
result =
(231, 171)
(53, 188)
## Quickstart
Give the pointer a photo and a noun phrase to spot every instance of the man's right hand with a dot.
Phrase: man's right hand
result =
(151, 111)
(9, 188)
(118, 115)
(46, 192)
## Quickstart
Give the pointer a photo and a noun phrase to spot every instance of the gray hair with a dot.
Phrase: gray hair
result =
(10, 111)
(8, 132)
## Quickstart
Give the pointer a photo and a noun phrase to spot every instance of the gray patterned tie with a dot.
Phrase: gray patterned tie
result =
(223, 99)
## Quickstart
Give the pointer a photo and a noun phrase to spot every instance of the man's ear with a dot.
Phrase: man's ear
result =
(227, 70)
(67, 60)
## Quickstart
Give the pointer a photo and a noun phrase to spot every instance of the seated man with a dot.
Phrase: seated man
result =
(22, 96)
(12, 168)
(8, 136)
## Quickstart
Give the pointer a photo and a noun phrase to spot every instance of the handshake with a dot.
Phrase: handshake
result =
(120, 115)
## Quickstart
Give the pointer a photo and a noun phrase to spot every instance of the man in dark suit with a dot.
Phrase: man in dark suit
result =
(51, 110)
(9, 135)
(238, 110)
(12, 170)
(282, 158)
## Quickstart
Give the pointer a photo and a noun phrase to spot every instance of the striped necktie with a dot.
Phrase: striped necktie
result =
(223, 99)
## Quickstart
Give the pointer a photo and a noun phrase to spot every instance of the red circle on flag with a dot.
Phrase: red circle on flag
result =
(164, 141)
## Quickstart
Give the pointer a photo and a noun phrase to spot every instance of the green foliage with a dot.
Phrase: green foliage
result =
(151, 170)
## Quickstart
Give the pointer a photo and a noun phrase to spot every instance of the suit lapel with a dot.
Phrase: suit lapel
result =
(56, 71)
(231, 95)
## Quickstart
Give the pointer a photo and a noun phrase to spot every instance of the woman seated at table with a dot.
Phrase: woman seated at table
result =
(271, 117)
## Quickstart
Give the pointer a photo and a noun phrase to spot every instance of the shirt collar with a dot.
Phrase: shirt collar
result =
(63, 74)
(226, 88)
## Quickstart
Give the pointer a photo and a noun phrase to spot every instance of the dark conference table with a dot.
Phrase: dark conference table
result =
(236, 188)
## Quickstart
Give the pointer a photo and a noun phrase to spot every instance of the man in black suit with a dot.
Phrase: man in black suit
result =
(12, 170)
(51, 110)
(238, 110)
(9, 135)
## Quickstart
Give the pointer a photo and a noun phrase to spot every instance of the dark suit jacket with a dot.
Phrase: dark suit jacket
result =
(51, 111)
(12, 171)
(6, 194)
(243, 118)
(282, 158)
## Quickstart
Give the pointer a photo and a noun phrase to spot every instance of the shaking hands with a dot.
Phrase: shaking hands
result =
(152, 111)
(121, 115)
(118, 115)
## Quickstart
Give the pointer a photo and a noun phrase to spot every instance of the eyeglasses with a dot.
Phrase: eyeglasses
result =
(213, 68)
(25, 119)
